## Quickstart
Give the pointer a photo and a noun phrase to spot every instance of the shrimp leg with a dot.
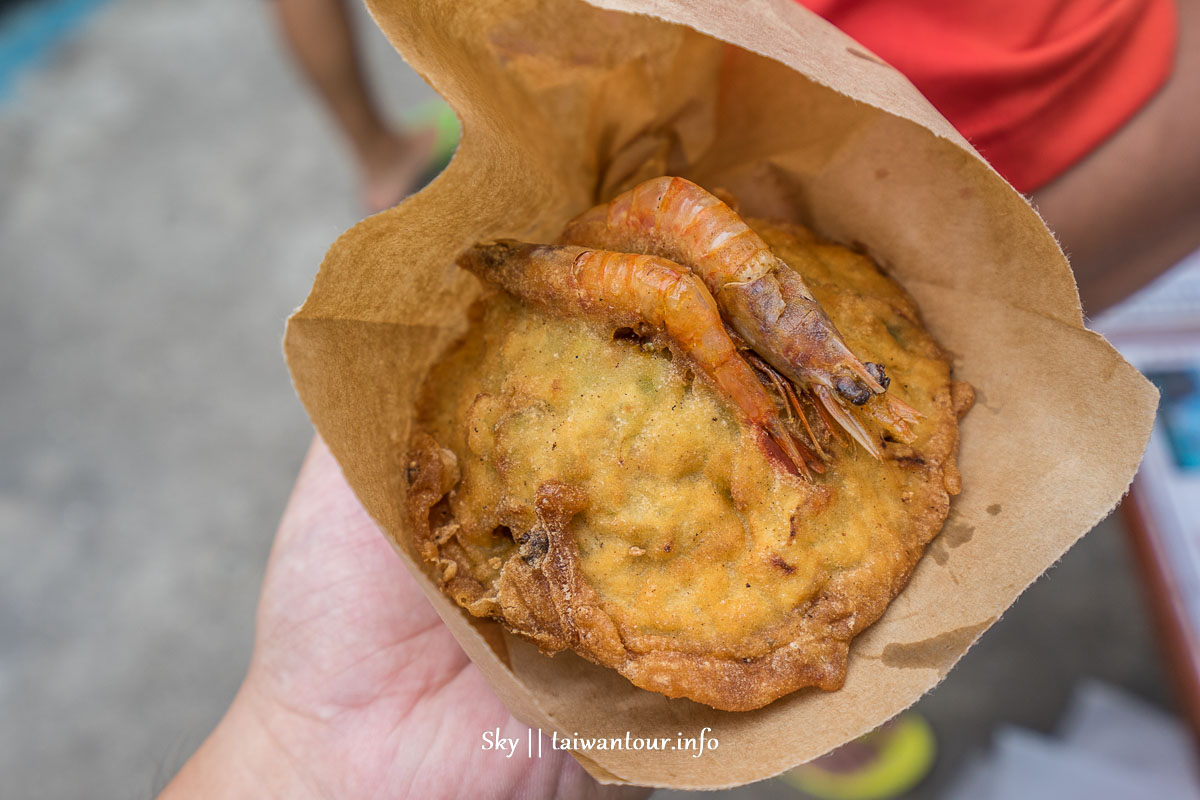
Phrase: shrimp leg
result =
(764, 300)
(638, 291)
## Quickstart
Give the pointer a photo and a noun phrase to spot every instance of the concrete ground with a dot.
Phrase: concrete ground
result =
(167, 190)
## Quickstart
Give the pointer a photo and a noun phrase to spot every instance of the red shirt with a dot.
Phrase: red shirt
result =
(1034, 85)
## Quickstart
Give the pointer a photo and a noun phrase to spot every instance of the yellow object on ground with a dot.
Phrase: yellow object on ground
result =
(896, 757)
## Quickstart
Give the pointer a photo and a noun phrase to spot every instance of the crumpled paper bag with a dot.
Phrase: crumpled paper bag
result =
(563, 104)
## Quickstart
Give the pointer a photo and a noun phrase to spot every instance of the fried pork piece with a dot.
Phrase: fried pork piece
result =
(591, 493)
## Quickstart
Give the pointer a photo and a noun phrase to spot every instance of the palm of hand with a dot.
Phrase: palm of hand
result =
(358, 680)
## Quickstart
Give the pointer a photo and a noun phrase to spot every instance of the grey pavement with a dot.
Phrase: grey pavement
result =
(167, 189)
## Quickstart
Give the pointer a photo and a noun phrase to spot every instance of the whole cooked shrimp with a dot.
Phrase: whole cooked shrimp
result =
(648, 294)
(765, 301)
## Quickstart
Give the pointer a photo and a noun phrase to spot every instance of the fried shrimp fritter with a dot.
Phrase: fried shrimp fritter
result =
(586, 489)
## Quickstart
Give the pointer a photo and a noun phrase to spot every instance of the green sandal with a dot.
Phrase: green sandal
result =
(438, 115)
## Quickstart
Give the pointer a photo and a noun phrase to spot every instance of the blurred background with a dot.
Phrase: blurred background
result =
(168, 186)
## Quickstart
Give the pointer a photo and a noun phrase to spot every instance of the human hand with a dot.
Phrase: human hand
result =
(356, 688)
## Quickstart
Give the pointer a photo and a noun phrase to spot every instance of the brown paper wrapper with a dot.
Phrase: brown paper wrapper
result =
(561, 105)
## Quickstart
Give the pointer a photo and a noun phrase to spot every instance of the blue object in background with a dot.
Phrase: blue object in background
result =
(30, 29)
(1179, 412)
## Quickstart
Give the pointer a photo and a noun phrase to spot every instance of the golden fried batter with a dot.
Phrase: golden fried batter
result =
(592, 493)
